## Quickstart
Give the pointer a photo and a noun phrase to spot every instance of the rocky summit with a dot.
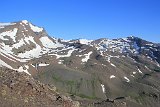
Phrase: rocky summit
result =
(40, 70)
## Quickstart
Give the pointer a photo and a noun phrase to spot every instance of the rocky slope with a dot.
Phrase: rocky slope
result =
(95, 72)
(20, 89)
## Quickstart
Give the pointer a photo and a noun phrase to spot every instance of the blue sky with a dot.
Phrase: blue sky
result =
(91, 19)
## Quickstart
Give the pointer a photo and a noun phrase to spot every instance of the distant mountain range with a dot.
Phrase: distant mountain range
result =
(121, 72)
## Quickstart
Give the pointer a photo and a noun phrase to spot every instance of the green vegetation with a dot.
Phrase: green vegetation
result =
(56, 77)
(157, 69)
(73, 86)
(67, 61)
(85, 96)
(82, 85)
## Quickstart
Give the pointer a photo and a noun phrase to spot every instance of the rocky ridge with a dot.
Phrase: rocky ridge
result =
(20, 89)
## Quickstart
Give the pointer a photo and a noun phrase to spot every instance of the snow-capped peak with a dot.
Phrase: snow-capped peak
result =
(85, 41)
(33, 27)
(25, 21)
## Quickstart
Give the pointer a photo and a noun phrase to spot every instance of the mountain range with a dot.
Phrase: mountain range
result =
(122, 72)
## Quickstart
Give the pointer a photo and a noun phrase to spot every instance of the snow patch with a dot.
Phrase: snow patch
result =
(147, 68)
(109, 59)
(139, 71)
(20, 69)
(8, 53)
(34, 53)
(4, 55)
(70, 51)
(87, 56)
(3, 64)
(35, 28)
(136, 48)
(32, 65)
(85, 41)
(60, 62)
(123, 45)
(104, 65)
(6, 24)
(112, 65)
(25, 22)
(112, 76)
(10, 33)
(126, 79)
(48, 43)
(157, 64)
(150, 44)
(103, 88)
(134, 72)
(23, 69)
(19, 44)
(43, 64)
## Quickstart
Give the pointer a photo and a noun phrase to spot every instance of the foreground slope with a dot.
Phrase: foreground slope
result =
(19, 89)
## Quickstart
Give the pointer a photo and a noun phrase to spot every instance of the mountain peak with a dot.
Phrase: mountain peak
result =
(33, 27)
(24, 21)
